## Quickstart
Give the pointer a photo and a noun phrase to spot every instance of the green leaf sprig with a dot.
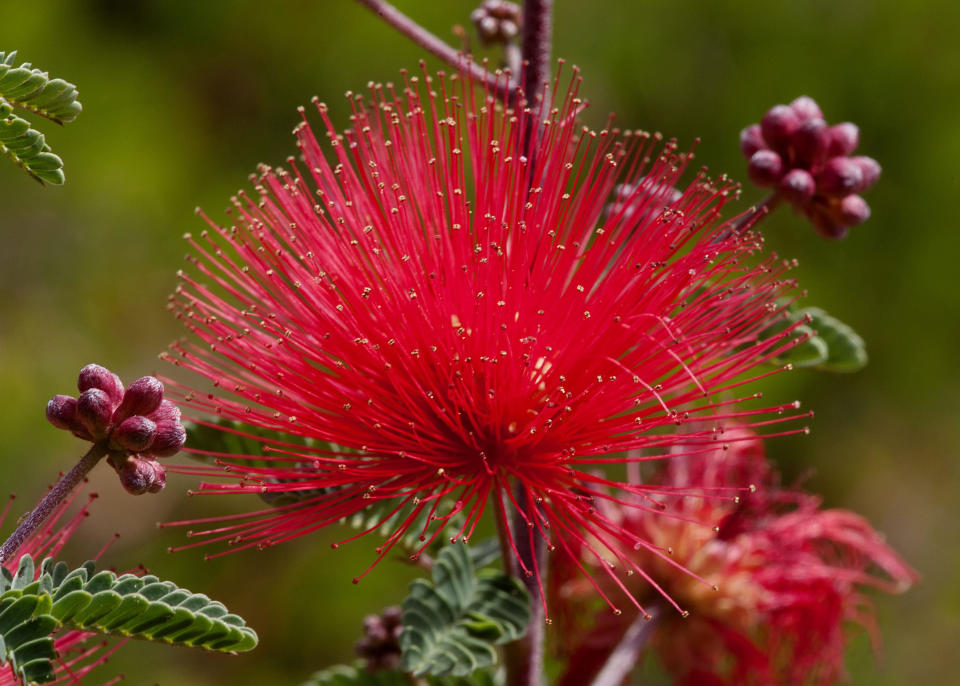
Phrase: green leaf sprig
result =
(27, 88)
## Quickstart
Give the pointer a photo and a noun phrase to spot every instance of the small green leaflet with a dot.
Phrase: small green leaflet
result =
(832, 346)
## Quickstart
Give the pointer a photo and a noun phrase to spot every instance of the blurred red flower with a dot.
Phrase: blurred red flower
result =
(770, 578)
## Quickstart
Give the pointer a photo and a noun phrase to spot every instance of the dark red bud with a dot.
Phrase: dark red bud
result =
(826, 225)
(140, 475)
(751, 140)
(853, 210)
(94, 409)
(135, 433)
(95, 376)
(870, 169)
(167, 412)
(392, 614)
(841, 176)
(765, 168)
(844, 139)
(806, 108)
(143, 397)
(169, 439)
(797, 186)
(159, 477)
(778, 126)
(810, 142)
(62, 412)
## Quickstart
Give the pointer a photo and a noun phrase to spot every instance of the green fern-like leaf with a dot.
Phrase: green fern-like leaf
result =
(32, 90)
(450, 627)
(34, 606)
(355, 675)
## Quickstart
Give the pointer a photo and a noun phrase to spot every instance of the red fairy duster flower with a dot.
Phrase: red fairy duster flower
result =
(78, 652)
(789, 575)
(454, 308)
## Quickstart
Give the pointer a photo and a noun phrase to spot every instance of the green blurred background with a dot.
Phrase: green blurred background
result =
(182, 100)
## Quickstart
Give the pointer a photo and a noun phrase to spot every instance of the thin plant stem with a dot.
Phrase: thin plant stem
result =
(513, 58)
(524, 657)
(624, 657)
(535, 44)
(54, 497)
(436, 46)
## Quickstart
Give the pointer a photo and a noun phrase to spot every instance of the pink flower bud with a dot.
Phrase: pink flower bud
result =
(841, 176)
(844, 139)
(140, 475)
(159, 477)
(143, 397)
(806, 108)
(765, 168)
(135, 433)
(94, 409)
(826, 225)
(798, 186)
(778, 126)
(810, 142)
(169, 439)
(95, 376)
(870, 169)
(853, 210)
(751, 140)
(62, 413)
(167, 412)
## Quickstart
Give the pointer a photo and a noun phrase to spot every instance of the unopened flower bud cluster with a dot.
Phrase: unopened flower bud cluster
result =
(380, 645)
(497, 21)
(811, 165)
(135, 425)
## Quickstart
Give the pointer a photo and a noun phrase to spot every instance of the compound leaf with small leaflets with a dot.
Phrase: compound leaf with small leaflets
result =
(450, 626)
(356, 675)
(34, 604)
(31, 90)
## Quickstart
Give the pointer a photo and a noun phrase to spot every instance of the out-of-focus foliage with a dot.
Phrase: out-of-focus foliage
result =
(349, 675)
(182, 99)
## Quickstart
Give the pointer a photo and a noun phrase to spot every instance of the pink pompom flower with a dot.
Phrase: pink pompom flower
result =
(447, 302)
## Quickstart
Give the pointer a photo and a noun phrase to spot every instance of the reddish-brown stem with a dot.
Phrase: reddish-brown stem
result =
(535, 44)
(524, 657)
(51, 500)
(435, 45)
